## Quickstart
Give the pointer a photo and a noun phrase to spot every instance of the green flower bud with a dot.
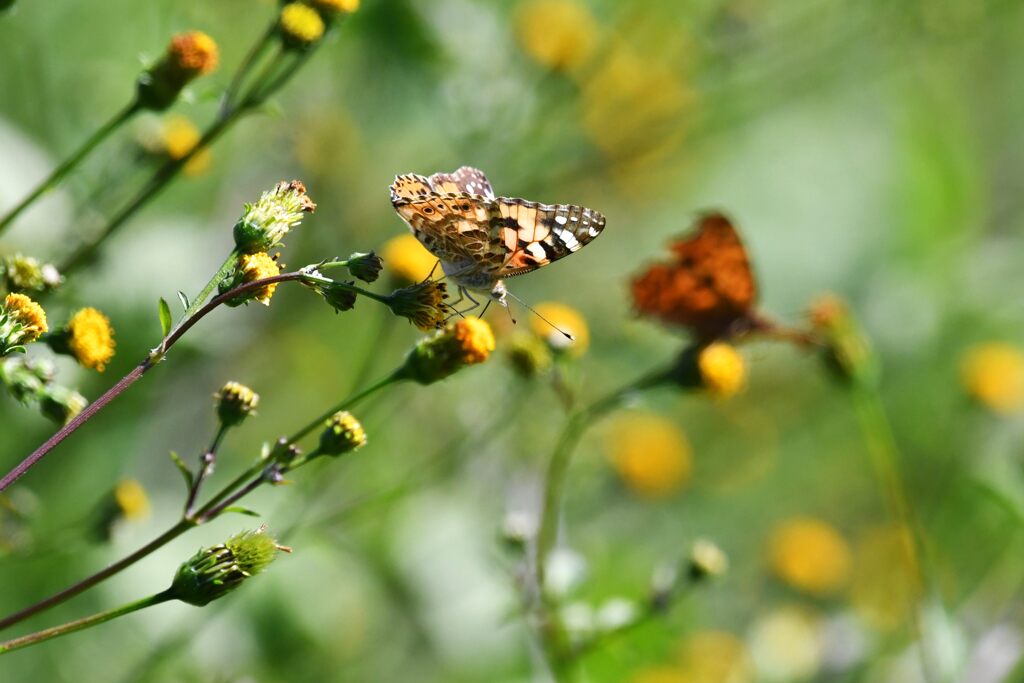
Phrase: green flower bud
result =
(216, 571)
(61, 404)
(338, 295)
(706, 560)
(423, 304)
(342, 434)
(235, 402)
(528, 355)
(365, 267)
(188, 55)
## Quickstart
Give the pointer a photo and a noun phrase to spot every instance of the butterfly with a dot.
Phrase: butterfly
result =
(481, 239)
(708, 286)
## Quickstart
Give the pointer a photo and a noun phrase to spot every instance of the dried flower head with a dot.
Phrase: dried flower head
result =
(422, 303)
(251, 268)
(342, 434)
(216, 571)
(22, 321)
(300, 25)
(188, 55)
(235, 402)
(264, 224)
(722, 370)
(466, 341)
(407, 260)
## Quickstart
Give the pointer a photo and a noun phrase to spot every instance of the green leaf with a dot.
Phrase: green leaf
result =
(183, 299)
(242, 511)
(165, 317)
(183, 468)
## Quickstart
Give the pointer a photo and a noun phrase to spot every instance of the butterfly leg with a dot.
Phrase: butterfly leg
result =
(463, 295)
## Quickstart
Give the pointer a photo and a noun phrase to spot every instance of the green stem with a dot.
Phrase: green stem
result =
(225, 269)
(347, 403)
(84, 623)
(71, 162)
(257, 51)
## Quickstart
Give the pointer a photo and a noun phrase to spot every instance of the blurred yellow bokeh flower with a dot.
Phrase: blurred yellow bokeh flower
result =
(564, 318)
(407, 260)
(886, 586)
(91, 338)
(301, 25)
(810, 555)
(558, 34)
(993, 375)
(715, 657)
(335, 6)
(178, 136)
(131, 499)
(722, 370)
(650, 454)
(786, 644)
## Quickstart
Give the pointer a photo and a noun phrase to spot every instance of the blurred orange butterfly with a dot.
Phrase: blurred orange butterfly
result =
(708, 287)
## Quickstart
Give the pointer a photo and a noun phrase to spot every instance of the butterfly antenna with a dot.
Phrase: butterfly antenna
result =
(531, 310)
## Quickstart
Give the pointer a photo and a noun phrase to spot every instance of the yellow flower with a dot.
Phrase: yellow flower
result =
(715, 657)
(178, 137)
(993, 375)
(466, 341)
(235, 402)
(886, 585)
(258, 266)
(422, 303)
(407, 260)
(193, 52)
(722, 371)
(90, 338)
(474, 339)
(335, 6)
(29, 315)
(564, 318)
(301, 25)
(131, 499)
(342, 434)
(558, 34)
(660, 674)
(650, 454)
(810, 555)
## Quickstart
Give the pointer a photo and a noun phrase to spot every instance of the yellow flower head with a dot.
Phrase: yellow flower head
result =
(342, 434)
(467, 341)
(90, 338)
(131, 499)
(235, 402)
(650, 454)
(474, 340)
(810, 555)
(194, 53)
(422, 303)
(557, 34)
(335, 6)
(26, 314)
(715, 657)
(301, 25)
(993, 375)
(407, 260)
(259, 266)
(178, 137)
(722, 370)
(564, 318)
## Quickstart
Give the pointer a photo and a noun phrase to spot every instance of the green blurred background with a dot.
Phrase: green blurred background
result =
(868, 149)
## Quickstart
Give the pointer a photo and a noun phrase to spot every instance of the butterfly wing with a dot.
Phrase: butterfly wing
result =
(464, 180)
(709, 287)
(409, 187)
(534, 235)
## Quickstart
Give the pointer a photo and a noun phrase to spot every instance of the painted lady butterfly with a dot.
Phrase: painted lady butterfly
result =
(481, 239)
